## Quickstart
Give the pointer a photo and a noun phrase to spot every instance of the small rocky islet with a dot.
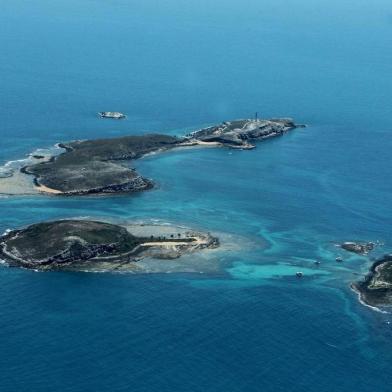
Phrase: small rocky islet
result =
(358, 247)
(95, 245)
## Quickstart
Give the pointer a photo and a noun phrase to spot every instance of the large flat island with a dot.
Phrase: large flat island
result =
(100, 166)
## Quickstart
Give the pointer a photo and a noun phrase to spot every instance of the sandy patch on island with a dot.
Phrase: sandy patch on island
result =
(18, 184)
(45, 189)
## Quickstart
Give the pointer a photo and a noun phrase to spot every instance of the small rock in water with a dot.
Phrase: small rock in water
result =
(115, 115)
(357, 247)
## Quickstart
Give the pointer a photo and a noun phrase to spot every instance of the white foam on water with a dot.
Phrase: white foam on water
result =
(45, 152)
(6, 232)
(374, 308)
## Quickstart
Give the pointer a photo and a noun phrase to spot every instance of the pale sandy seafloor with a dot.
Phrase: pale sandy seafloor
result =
(15, 183)
(209, 260)
(213, 261)
(18, 184)
(372, 307)
(203, 261)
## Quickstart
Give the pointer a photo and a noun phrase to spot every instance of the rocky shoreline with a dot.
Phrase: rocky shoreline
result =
(95, 245)
(376, 288)
(94, 167)
(99, 166)
(243, 133)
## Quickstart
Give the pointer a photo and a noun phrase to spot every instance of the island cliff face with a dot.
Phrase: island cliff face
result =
(83, 244)
(62, 242)
(94, 166)
(241, 133)
(376, 288)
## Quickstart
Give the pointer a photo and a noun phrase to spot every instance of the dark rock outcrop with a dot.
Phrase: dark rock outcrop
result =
(357, 247)
(376, 288)
(64, 242)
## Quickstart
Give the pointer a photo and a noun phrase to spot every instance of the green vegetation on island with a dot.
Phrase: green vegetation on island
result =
(376, 288)
(96, 166)
(92, 166)
(88, 245)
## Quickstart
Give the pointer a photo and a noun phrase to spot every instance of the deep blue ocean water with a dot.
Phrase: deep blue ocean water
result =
(174, 66)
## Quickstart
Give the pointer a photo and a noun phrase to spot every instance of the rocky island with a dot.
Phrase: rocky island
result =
(93, 166)
(376, 288)
(99, 166)
(358, 247)
(113, 115)
(94, 245)
(242, 133)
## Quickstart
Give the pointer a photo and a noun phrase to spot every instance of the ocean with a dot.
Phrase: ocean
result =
(240, 320)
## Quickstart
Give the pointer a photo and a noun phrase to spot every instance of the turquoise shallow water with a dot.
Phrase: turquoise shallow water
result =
(247, 324)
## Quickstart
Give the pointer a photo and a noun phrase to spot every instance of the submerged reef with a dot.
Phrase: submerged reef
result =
(98, 166)
(94, 245)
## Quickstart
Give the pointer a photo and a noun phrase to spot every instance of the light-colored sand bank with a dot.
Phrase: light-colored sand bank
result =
(45, 189)
(18, 184)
